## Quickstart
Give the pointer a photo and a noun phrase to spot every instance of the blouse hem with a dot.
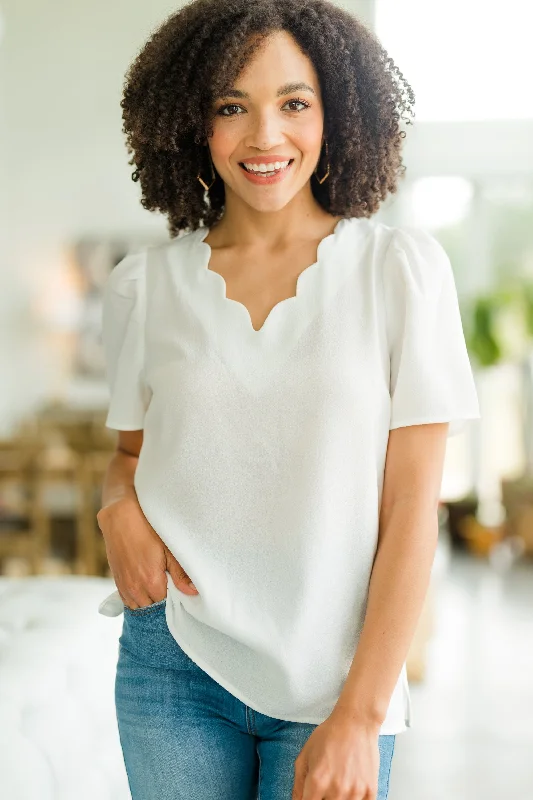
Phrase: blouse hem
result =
(208, 669)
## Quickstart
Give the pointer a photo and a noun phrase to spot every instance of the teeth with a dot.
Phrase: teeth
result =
(266, 167)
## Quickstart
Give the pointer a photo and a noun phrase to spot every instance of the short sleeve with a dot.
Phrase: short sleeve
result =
(123, 317)
(431, 379)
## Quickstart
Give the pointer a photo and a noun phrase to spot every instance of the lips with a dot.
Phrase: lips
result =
(262, 178)
(268, 163)
(265, 159)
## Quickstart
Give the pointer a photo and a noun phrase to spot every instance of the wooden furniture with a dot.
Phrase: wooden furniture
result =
(23, 526)
(92, 556)
(90, 446)
(61, 448)
(517, 498)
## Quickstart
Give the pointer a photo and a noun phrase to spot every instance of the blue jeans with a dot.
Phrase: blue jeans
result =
(185, 737)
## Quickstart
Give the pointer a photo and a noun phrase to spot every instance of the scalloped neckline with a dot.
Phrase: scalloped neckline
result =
(303, 280)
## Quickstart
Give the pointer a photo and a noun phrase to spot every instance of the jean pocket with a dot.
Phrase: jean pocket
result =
(159, 604)
(146, 637)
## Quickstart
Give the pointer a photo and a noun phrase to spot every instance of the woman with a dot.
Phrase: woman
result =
(284, 373)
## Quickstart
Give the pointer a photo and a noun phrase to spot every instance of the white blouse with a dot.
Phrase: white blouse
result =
(263, 454)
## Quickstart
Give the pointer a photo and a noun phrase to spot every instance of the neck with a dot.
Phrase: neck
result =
(247, 226)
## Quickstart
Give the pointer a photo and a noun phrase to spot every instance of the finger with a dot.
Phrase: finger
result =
(313, 789)
(298, 784)
(138, 599)
(128, 600)
(179, 577)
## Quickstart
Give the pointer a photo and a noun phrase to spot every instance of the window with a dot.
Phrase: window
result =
(465, 59)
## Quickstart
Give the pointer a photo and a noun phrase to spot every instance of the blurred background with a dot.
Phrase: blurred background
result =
(69, 212)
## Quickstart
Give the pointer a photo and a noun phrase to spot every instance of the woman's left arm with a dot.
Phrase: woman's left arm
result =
(408, 532)
(341, 755)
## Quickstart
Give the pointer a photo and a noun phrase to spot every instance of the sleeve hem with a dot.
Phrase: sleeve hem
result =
(457, 424)
(117, 425)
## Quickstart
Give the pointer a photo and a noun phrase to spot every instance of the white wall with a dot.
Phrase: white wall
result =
(67, 170)
(64, 161)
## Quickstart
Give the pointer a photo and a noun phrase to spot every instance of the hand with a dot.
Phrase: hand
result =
(137, 557)
(339, 761)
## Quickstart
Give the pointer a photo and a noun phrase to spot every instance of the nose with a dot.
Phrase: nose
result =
(265, 131)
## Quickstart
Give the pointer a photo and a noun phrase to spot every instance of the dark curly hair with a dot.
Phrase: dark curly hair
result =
(196, 54)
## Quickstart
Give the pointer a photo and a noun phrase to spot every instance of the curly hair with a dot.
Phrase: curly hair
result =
(196, 54)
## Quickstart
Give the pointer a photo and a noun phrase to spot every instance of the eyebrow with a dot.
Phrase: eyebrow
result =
(288, 88)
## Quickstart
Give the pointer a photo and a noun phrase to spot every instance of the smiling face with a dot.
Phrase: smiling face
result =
(272, 119)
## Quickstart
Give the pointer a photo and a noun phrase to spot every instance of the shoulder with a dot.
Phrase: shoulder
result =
(361, 229)
(369, 239)
(182, 244)
(417, 281)
(127, 278)
(416, 257)
(406, 248)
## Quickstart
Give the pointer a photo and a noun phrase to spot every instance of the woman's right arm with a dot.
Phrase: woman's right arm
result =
(118, 482)
(137, 556)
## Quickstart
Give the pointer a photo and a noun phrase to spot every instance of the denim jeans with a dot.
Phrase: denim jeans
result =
(185, 737)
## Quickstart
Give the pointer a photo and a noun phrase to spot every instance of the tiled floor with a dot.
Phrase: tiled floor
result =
(472, 733)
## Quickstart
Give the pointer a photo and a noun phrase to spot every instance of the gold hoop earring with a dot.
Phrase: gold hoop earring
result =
(213, 175)
(321, 180)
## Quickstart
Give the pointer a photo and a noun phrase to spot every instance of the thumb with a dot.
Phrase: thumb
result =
(177, 573)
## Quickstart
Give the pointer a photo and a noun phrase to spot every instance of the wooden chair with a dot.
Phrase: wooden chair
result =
(24, 532)
(91, 548)
(90, 445)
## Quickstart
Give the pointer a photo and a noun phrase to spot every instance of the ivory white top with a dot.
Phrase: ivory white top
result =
(263, 455)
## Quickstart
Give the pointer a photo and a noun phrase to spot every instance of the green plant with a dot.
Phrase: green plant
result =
(499, 324)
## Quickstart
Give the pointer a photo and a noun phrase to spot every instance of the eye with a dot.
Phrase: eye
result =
(303, 103)
(295, 101)
(223, 108)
